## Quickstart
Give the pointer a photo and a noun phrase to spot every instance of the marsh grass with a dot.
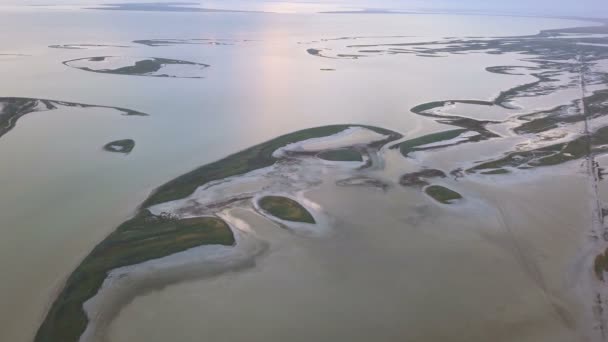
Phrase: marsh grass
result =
(442, 194)
(286, 209)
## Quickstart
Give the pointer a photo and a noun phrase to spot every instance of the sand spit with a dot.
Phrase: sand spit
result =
(352, 136)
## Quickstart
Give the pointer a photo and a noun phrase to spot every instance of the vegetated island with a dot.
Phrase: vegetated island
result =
(150, 66)
(341, 155)
(120, 146)
(13, 108)
(147, 236)
(442, 194)
(420, 178)
(286, 209)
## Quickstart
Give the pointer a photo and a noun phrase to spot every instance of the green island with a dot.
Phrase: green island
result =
(143, 67)
(496, 172)
(120, 146)
(420, 178)
(412, 145)
(286, 209)
(442, 194)
(13, 108)
(341, 155)
(147, 236)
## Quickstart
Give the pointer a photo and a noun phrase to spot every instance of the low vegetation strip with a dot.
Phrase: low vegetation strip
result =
(411, 145)
(139, 239)
(341, 155)
(253, 158)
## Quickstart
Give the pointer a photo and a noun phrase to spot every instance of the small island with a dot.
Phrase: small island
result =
(120, 146)
(286, 209)
(442, 194)
(420, 178)
(137, 66)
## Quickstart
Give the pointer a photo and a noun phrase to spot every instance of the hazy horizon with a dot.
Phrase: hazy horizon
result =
(591, 8)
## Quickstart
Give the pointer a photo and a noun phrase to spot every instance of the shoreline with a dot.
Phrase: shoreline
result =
(124, 284)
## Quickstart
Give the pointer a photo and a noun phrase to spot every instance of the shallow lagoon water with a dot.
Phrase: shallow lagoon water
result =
(62, 194)
(444, 275)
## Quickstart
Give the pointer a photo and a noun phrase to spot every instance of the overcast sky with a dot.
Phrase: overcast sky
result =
(543, 7)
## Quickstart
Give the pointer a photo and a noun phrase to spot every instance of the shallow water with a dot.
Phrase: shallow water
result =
(402, 268)
(61, 193)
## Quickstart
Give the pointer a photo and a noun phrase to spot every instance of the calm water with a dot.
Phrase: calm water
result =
(61, 194)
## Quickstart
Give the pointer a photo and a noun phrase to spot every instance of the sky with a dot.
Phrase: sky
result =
(595, 8)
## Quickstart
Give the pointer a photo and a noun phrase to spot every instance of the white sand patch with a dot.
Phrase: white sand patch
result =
(349, 137)
(286, 177)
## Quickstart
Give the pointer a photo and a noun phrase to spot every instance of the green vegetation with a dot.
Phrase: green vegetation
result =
(286, 209)
(143, 67)
(253, 158)
(13, 108)
(600, 265)
(419, 178)
(344, 154)
(496, 172)
(120, 146)
(549, 155)
(411, 145)
(546, 120)
(147, 236)
(139, 239)
(595, 106)
(442, 194)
